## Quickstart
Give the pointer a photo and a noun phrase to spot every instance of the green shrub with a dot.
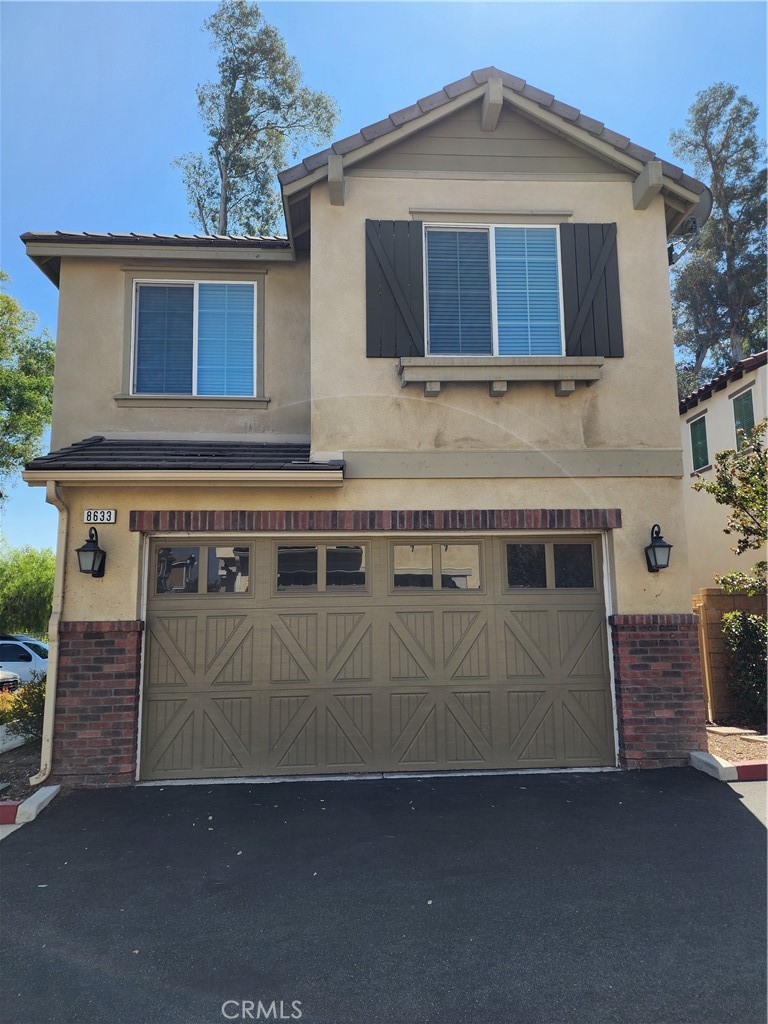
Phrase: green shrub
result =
(745, 639)
(23, 713)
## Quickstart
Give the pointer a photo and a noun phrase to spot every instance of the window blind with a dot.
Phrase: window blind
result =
(225, 339)
(527, 292)
(164, 339)
(459, 293)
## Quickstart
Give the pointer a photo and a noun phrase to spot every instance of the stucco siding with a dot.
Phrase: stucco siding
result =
(93, 353)
(642, 502)
(358, 403)
(710, 548)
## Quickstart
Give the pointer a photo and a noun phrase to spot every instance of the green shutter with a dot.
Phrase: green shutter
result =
(591, 301)
(394, 288)
(743, 414)
(699, 443)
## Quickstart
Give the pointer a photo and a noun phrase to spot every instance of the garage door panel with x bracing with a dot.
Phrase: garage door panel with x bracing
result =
(375, 657)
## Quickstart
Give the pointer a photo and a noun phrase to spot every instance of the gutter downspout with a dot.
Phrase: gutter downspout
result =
(54, 497)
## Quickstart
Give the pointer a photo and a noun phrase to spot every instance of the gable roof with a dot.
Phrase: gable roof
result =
(719, 383)
(543, 100)
(590, 134)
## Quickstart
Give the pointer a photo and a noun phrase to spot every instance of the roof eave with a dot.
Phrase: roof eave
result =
(279, 478)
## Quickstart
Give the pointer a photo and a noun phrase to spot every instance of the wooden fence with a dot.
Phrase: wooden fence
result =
(710, 605)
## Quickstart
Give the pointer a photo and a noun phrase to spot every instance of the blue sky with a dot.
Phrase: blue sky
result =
(98, 98)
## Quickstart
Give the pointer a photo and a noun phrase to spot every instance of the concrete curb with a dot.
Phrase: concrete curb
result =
(725, 771)
(16, 812)
(32, 806)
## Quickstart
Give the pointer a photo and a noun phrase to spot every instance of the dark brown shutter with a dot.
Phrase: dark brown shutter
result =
(591, 290)
(394, 288)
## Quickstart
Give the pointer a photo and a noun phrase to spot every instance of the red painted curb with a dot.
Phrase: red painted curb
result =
(751, 771)
(8, 810)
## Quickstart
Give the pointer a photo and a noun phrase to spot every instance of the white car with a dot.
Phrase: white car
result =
(28, 659)
(9, 682)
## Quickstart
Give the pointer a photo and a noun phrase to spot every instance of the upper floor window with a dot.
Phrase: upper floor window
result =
(494, 291)
(195, 339)
(699, 451)
(743, 414)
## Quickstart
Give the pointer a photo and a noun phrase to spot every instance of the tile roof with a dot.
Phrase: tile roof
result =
(134, 238)
(544, 100)
(735, 372)
(101, 453)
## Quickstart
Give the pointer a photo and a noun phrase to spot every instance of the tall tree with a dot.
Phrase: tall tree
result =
(255, 114)
(26, 383)
(719, 292)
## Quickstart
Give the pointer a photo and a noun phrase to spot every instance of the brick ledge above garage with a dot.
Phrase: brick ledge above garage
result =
(361, 521)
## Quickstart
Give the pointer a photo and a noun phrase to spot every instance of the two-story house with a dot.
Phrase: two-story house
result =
(376, 496)
(710, 418)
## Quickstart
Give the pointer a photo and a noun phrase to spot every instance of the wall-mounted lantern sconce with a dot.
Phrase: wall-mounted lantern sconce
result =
(91, 557)
(657, 552)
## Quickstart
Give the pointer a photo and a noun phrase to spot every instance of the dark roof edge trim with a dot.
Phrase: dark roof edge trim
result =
(733, 373)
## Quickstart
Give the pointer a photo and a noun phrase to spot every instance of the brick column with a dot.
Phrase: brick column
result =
(659, 694)
(97, 703)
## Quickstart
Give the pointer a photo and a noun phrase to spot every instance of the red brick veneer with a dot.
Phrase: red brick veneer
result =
(659, 695)
(378, 519)
(97, 703)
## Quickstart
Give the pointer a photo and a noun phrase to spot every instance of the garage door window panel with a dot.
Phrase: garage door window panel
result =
(545, 565)
(345, 567)
(297, 568)
(228, 570)
(574, 566)
(437, 567)
(177, 570)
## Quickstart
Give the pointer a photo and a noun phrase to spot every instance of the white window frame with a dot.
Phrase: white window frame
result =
(195, 285)
(490, 229)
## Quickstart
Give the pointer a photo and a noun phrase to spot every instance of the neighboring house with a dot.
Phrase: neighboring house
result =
(709, 419)
(382, 488)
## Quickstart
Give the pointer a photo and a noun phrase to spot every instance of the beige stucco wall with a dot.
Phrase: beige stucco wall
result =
(643, 502)
(710, 549)
(358, 403)
(93, 345)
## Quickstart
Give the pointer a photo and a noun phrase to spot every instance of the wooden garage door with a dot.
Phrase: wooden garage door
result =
(278, 657)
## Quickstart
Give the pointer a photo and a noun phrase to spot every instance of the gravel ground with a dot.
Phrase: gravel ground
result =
(16, 766)
(737, 748)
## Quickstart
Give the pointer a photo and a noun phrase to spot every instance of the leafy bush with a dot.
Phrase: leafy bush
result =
(26, 589)
(22, 711)
(745, 638)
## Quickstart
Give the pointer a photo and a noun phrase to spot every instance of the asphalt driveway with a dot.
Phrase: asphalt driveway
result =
(614, 898)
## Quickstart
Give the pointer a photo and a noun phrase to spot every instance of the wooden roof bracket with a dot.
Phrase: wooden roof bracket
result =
(493, 101)
(336, 180)
(647, 185)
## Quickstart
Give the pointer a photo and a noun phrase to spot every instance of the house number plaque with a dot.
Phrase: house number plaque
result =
(100, 515)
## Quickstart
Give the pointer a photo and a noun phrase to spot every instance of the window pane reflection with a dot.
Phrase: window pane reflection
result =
(296, 567)
(413, 565)
(177, 570)
(573, 565)
(526, 566)
(344, 566)
(228, 570)
(460, 567)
